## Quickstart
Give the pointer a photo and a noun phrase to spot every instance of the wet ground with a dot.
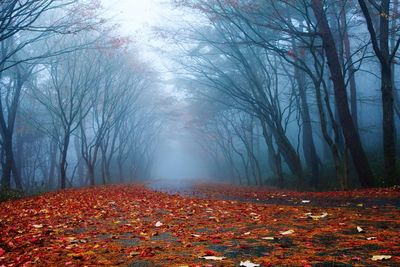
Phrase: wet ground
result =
(188, 188)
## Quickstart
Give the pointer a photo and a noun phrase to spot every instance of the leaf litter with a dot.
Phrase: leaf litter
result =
(119, 225)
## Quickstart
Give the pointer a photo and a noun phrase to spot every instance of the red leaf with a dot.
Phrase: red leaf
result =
(210, 253)
(34, 240)
(2, 252)
(291, 53)
(148, 252)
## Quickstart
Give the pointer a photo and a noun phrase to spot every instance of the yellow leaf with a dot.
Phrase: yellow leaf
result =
(380, 257)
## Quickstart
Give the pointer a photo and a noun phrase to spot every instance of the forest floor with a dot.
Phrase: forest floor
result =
(202, 225)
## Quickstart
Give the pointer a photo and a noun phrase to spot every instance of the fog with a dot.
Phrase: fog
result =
(261, 93)
(180, 159)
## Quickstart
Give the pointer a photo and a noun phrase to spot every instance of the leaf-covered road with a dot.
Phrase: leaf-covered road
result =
(136, 226)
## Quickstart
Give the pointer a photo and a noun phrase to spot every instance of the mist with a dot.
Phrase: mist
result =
(133, 91)
(180, 158)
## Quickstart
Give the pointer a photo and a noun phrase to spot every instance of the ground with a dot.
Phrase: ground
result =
(204, 225)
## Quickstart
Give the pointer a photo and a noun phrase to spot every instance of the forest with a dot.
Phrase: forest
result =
(199, 133)
(288, 92)
(75, 98)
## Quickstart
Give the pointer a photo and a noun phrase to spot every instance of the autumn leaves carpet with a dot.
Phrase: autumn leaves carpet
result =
(135, 226)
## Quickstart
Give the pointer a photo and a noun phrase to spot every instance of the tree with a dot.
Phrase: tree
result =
(22, 25)
(349, 130)
(67, 97)
(386, 56)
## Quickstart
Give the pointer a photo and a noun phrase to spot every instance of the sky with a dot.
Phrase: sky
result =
(179, 155)
(137, 18)
(134, 15)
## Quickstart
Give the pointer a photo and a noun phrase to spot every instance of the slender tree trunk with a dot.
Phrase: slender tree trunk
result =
(310, 152)
(80, 163)
(17, 177)
(9, 159)
(121, 171)
(63, 162)
(274, 158)
(351, 70)
(91, 175)
(350, 132)
(52, 168)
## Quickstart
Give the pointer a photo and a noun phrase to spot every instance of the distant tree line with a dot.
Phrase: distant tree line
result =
(287, 92)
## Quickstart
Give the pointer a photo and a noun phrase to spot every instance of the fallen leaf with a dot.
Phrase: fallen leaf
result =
(212, 258)
(34, 240)
(2, 252)
(268, 238)
(248, 264)
(371, 238)
(147, 252)
(381, 257)
(316, 217)
(210, 253)
(360, 230)
(75, 255)
(37, 226)
(159, 224)
(195, 235)
(288, 232)
(134, 253)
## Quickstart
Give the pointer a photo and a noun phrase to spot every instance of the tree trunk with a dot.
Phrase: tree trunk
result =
(350, 133)
(385, 57)
(121, 171)
(9, 164)
(63, 162)
(347, 53)
(52, 168)
(310, 152)
(389, 131)
(393, 65)
(90, 173)
(290, 155)
(274, 158)
(80, 167)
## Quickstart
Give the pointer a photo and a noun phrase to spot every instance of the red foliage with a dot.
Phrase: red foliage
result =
(291, 54)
